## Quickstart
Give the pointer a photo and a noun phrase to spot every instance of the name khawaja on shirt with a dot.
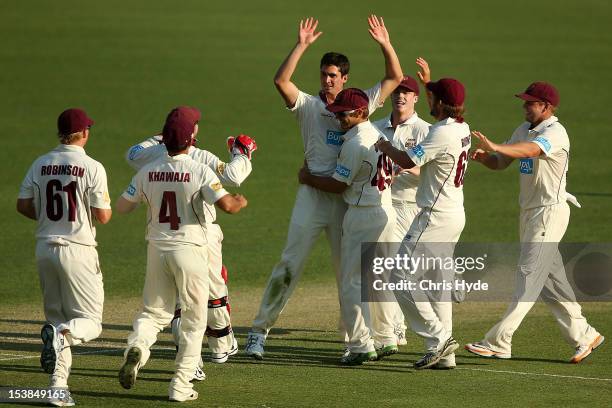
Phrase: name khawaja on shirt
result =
(169, 176)
(62, 170)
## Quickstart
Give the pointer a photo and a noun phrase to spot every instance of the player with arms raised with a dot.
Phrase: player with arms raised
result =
(65, 191)
(315, 210)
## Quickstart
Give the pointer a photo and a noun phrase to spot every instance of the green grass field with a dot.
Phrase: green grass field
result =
(129, 63)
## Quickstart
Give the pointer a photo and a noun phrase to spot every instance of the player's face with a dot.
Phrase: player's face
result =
(349, 119)
(534, 111)
(332, 80)
(403, 100)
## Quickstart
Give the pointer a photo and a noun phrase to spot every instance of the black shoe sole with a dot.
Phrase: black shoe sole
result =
(48, 357)
(128, 372)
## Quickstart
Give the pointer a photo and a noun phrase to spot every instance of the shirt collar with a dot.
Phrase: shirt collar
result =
(544, 124)
(446, 121)
(178, 157)
(355, 129)
(410, 121)
(70, 148)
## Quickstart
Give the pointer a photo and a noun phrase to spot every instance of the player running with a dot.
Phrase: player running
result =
(66, 191)
(405, 130)
(442, 156)
(315, 210)
(542, 146)
(221, 340)
(175, 189)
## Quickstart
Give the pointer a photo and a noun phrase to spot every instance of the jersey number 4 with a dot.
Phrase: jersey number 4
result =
(384, 172)
(55, 201)
(167, 211)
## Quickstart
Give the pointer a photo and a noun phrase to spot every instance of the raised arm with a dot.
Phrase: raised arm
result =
(393, 69)
(424, 75)
(307, 34)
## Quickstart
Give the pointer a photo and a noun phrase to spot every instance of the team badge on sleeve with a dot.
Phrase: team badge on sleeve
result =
(131, 190)
(418, 151)
(216, 186)
(134, 150)
(343, 171)
(543, 142)
(221, 168)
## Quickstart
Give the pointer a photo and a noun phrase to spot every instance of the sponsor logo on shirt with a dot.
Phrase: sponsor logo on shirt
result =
(134, 150)
(343, 171)
(410, 143)
(544, 142)
(334, 137)
(526, 166)
(221, 168)
(418, 151)
(131, 190)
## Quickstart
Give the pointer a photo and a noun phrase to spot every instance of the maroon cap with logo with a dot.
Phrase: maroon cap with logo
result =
(410, 84)
(540, 92)
(73, 120)
(179, 127)
(348, 100)
(448, 90)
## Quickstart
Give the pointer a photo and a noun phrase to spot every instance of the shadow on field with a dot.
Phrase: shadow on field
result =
(117, 395)
(514, 358)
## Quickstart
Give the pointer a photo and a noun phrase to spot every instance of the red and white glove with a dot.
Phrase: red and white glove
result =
(242, 144)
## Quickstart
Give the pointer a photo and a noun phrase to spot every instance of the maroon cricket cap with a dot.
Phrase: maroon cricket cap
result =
(410, 84)
(348, 100)
(179, 127)
(540, 92)
(448, 90)
(73, 120)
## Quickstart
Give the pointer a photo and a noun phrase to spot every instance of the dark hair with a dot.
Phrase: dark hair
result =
(339, 60)
(455, 112)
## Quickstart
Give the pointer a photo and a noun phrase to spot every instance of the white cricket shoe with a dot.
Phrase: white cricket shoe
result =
(64, 398)
(177, 396)
(130, 367)
(583, 352)
(53, 344)
(220, 358)
(484, 351)
(199, 375)
(400, 333)
(255, 345)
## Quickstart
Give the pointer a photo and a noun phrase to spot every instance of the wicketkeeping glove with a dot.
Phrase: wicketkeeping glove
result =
(242, 144)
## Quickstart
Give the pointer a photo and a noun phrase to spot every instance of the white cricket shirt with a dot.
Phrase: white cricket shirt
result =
(64, 184)
(443, 157)
(405, 136)
(543, 178)
(175, 188)
(321, 132)
(367, 171)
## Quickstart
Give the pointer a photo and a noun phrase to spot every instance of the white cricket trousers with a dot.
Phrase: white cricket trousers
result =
(434, 233)
(172, 268)
(314, 211)
(541, 273)
(73, 295)
(364, 224)
(73, 292)
(219, 329)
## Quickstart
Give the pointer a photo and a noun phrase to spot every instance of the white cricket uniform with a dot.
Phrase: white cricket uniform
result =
(314, 210)
(404, 136)
(219, 330)
(369, 218)
(175, 189)
(64, 184)
(543, 222)
(443, 157)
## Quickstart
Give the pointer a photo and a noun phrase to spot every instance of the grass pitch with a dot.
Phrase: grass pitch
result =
(129, 63)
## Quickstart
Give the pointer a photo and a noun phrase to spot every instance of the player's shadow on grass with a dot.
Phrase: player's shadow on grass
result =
(243, 331)
(514, 358)
(120, 395)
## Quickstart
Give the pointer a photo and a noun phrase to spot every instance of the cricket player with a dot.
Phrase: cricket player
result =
(541, 145)
(315, 210)
(442, 157)
(363, 176)
(66, 191)
(221, 338)
(405, 129)
(174, 188)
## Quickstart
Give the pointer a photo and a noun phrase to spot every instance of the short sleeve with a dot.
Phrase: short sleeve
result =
(348, 163)
(432, 146)
(98, 194)
(212, 190)
(26, 190)
(145, 152)
(133, 192)
(550, 141)
(374, 97)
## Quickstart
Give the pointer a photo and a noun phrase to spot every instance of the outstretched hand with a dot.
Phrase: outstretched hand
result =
(308, 31)
(424, 72)
(479, 155)
(377, 29)
(484, 143)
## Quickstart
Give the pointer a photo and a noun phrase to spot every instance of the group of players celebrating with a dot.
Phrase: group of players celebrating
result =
(399, 179)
